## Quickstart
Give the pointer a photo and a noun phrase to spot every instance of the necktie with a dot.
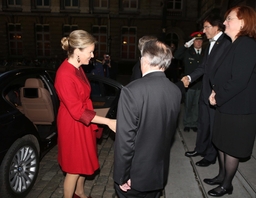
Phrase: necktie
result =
(198, 51)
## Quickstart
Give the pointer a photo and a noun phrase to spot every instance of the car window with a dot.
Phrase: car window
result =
(102, 94)
(12, 90)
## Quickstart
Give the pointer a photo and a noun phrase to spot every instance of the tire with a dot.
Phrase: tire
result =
(19, 168)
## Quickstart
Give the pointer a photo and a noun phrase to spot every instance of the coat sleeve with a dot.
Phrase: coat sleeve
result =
(243, 66)
(69, 95)
(127, 121)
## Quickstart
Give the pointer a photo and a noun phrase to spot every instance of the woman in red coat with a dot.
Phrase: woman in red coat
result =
(77, 149)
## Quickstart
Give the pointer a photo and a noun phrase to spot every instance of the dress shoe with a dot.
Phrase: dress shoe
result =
(186, 129)
(194, 129)
(204, 162)
(213, 181)
(192, 153)
(220, 191)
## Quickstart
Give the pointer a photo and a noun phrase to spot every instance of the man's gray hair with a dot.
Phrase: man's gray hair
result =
(158, 54)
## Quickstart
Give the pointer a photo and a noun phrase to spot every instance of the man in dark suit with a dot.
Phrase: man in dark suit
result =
(213, 29)
(146, 122)
(136, 71)
(191, 55)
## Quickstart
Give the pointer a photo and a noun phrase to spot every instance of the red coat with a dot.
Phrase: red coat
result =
(77, 149)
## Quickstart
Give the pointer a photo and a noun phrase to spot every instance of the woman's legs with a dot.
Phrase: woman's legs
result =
(80, 187)
(227, 170)
(221, 174)
(231, 165)
(70, 185)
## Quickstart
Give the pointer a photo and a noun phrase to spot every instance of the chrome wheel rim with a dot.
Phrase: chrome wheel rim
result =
(23, 169)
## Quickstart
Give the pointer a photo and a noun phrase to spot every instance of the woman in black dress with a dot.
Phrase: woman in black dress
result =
(233, 81)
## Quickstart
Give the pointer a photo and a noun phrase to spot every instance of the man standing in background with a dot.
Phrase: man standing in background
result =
(191, 55)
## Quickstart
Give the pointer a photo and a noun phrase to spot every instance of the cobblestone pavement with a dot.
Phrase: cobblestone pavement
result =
(49, 183)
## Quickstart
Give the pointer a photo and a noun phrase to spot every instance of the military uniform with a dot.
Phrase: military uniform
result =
(191, 58)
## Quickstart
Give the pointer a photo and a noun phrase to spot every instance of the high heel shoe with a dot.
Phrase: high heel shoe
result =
(76, 196)
(213, 181)
(220, 191)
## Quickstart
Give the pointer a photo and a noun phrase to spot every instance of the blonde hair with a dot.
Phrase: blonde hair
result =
(78, 39)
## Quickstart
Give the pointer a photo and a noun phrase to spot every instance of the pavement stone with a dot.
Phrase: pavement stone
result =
(184, 179)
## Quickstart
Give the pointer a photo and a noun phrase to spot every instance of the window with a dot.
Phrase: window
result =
(14, 2)
(129, 38)
(42, 40)
(130, 4)
(100, 33)
(71, 3)
(42, 3)
(67, 29)
(100, 4)
(15, 39)
(174, 5)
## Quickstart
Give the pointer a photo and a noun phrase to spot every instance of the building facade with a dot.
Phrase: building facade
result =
(32, 29)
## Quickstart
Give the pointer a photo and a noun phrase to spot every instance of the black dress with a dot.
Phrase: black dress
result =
(234, 134)
(233, 80)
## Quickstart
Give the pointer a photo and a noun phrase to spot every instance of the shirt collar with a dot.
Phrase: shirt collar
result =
(217, 36)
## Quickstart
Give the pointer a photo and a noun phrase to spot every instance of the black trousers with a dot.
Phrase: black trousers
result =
(136, 194)
(204, 143)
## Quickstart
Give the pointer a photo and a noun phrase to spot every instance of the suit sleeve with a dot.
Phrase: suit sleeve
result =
(243, 64)
(127, 121)
(70, 96)
(199, 71)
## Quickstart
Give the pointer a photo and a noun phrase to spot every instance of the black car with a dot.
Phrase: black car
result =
(29, 106)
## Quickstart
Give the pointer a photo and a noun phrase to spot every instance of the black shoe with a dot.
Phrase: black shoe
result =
(186, 129)
(213, 181)
(204, 162)
(194, 129)
(220, 191)
(192, 153)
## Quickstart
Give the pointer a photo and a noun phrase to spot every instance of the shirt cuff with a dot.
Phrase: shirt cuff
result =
(189, 78)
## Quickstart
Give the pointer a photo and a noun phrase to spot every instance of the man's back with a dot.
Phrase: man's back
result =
(149, 108)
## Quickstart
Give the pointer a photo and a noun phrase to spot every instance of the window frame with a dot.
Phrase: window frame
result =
(98, 36)
(71, 27)
(18, 50)
(43, 4)
(14, 4)
(43, 42)
(174, 2)
(129, 45)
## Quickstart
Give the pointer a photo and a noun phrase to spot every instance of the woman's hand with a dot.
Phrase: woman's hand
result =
(212, 98)
(112, 124)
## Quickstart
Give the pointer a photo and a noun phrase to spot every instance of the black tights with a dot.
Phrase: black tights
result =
(227, 169)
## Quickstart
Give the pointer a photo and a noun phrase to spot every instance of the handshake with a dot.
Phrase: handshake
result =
(185, 81)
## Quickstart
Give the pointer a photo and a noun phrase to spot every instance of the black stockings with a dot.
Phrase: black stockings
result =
(227, 169)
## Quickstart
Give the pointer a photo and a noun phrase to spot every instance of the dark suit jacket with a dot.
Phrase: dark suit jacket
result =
(146, 122)
(136, 71)
(206, 67)
(191, 61)
(234, 78)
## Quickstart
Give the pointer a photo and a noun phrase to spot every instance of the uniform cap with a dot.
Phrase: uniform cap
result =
(197, 35)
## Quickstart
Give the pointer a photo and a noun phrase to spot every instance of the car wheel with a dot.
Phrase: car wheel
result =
(19, 168)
